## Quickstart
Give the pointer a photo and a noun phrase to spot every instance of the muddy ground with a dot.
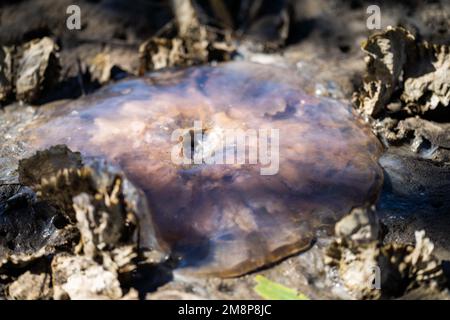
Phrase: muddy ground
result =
(322, 41)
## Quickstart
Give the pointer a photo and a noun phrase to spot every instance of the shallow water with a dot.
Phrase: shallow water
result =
(225, 219)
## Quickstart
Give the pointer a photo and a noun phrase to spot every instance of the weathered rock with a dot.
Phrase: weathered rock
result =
(29, 227)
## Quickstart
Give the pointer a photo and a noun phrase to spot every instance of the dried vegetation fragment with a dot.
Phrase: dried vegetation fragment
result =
(195, 43)
(358, 253)
(108, 215)
(27, 70)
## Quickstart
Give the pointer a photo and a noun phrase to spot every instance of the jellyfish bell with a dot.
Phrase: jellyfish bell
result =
(226, 219)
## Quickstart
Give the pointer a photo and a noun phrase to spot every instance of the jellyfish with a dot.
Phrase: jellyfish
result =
(241, 168)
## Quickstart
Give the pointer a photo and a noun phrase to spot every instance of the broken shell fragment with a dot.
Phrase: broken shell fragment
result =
(226, 219)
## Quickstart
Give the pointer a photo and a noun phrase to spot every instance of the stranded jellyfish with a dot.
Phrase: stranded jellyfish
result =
(226, 203)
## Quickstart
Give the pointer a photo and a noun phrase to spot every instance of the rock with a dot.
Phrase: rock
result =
(30, 228)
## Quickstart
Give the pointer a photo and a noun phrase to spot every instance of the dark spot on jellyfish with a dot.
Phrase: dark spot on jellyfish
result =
(227, 219)
(288, 112)
(226, 237)
(86, 116)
